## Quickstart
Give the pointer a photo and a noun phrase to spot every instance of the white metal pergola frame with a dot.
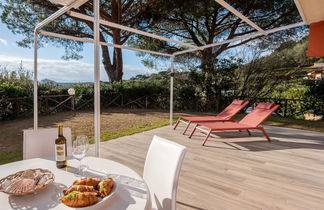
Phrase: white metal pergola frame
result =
(96, 41)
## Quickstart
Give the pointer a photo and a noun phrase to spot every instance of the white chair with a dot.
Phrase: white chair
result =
(161, 172)
(40, 143)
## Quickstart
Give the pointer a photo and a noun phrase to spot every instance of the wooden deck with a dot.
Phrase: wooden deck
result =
(238, 171)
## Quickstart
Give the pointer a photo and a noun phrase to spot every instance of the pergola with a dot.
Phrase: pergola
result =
(309, 10)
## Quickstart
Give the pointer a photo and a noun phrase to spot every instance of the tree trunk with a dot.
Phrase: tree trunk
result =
(207, 60)
(106, 61)
(114, 70)
(118, 65)
(213, 92)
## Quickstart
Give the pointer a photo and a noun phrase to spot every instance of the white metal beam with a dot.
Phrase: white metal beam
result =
(115, 25)
(35, 80)
(68, 2)
(242, 17)
(58, 13)
(244, 37)
(136, 49)
(46, 33)
(171, 89)
(186, 51)
(96, 57)
(255, 35)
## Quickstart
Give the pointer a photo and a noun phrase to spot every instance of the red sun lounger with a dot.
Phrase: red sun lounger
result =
(224, 116)
(249, 122)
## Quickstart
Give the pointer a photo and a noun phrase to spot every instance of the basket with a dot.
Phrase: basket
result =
(41, 178)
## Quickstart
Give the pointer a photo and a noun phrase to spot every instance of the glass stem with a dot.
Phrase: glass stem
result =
(80, 167)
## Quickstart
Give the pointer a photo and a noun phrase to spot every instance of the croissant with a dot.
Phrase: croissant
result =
(79, 199)
(87, 181)
(105, 187)
(80, 188)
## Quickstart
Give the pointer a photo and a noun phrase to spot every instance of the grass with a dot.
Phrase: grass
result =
(295, 123)
(291, 123)
(10, 157)
(138, 128)
(105, 136)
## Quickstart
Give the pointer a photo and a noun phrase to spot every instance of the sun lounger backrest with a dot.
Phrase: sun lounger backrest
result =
(261, 112)
(232, 109)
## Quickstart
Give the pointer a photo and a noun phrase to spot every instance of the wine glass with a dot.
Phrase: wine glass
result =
(79, 149)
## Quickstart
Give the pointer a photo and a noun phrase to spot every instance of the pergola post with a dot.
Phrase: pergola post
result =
(35, 80)
(171, 90)
(96, 5)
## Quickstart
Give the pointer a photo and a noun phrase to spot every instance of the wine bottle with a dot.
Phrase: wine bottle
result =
(60, 149)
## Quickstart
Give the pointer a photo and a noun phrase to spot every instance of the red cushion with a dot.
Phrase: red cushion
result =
(238, 102)
(264, 105)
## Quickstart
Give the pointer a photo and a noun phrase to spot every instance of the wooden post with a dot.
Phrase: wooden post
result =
(122, 100)
(17, 107)
(46, 104)
(72, 103)
(146, 102)
(285, 109)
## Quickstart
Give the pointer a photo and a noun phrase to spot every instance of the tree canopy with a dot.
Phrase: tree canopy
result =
(196, 22)
(205, 22)
(21, 16)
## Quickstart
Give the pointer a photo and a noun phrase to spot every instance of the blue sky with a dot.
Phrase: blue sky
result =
(53, 67)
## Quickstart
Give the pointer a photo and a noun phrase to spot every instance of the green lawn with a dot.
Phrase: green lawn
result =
(10, 157)
(294, 123)
(138, 128)
(105, 136)
(291, 123)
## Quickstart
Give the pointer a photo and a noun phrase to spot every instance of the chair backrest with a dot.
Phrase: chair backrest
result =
(261, 112)
(232, 109)
(161, 172)
(40, 143)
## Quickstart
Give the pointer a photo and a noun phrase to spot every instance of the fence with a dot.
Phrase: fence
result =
(296, 108)
(21, 107)
(12, 108)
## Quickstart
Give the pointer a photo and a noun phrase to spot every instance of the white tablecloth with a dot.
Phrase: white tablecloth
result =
(132, 192)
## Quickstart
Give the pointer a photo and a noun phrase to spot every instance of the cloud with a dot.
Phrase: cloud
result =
(3, 41)
(130, 70)
(66, 71)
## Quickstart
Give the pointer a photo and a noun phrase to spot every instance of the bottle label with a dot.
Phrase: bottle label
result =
(60, 152)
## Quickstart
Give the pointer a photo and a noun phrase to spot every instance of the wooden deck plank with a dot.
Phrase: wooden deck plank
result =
(237, 171)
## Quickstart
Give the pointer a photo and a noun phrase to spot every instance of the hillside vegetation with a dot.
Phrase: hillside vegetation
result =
(277, 75)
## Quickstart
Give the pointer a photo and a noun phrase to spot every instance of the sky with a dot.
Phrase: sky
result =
(52, 67)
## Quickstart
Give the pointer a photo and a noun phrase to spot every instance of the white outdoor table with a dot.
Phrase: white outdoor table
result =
(132, 192)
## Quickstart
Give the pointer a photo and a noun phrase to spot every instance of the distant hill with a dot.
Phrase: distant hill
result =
(48, 81)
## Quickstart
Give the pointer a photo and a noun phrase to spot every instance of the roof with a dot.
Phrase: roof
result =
(311, 10)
